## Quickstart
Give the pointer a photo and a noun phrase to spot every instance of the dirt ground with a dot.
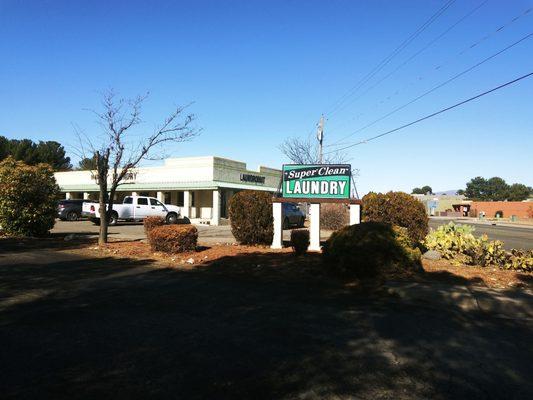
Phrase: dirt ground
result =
(441, 271)
(246, 323)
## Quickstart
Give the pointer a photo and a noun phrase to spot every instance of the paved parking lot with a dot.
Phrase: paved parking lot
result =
(207, 234)
(135, 231)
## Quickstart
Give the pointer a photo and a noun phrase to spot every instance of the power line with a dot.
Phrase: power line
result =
(435, 113)
(439, 66)
(414, 55)
(387, 59)
(338, 142)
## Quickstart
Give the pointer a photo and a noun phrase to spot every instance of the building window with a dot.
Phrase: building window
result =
(180, 199)
(167, 198)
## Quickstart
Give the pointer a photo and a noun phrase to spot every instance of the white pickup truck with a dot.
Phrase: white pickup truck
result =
(133, 208)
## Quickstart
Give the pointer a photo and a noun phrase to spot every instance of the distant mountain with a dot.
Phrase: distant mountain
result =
(448, 192)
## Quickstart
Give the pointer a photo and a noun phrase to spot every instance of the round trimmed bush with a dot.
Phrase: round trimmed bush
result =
(397, 208)
(300, 240)
(28, 198)
(250, 213)
(369, 249)
(173, 238)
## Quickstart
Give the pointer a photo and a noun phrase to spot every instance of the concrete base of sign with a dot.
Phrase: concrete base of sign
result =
(277, 241)
(314, 228)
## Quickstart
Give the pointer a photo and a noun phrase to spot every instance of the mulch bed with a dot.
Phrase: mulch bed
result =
(262, 259)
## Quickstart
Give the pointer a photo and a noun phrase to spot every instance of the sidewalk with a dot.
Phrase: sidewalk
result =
(476, 221)
(510, 304)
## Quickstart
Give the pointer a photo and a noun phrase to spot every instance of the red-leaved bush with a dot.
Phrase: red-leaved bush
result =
(151, 222)
(173, 238)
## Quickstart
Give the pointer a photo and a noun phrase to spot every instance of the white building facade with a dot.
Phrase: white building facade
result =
(201, 186)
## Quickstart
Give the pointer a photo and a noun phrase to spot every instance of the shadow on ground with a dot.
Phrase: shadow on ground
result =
(247, 327)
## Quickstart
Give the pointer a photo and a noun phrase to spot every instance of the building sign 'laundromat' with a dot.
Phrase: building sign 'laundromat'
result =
(323, 181)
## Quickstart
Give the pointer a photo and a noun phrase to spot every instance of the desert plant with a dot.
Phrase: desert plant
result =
(458, 243)
(397, 208)
(300, 240)
(334, 216)
(173, 238)
(28, 198)
(369, 249)
(250, 213)
(151, 222)
(452, 240)
(520, 260)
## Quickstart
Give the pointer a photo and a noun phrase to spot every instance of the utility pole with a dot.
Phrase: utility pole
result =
(320, 137)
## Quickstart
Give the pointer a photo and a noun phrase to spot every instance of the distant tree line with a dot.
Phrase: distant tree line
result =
(423, 190)
(32, 153)
(495, 189)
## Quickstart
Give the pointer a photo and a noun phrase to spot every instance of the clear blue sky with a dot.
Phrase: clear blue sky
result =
(261, 71)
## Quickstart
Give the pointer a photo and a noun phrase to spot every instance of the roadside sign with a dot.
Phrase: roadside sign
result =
(316, 181)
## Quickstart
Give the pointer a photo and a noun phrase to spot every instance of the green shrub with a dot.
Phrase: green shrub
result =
(458, 243)
(173, 238)
(28, 198)
(369, 249)
(300, 240)
(250, 213)
(397, 208)
(151, 222)
(334, 216)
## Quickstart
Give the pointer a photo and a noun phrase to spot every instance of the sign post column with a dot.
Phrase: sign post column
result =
(314, 234)
(355, 214)
(277, 240)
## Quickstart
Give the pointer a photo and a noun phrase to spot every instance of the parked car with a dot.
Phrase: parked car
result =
(134, 208)
(292, 216)
(70, 210)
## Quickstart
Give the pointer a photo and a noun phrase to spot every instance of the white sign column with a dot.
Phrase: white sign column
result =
(186, 203)
(215, 215)
(314, 234)
(277, 240)
(355, 214)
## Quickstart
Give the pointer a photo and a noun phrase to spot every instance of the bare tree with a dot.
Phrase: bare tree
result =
(305, 151)
(117, 155)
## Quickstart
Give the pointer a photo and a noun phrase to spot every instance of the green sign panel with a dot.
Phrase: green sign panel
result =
(322, 181)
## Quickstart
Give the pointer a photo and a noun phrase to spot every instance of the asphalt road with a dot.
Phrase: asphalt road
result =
(512, 237)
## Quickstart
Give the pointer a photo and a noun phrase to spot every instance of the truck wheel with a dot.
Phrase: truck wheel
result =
(113, 219)
(73, 216)
(172, 218)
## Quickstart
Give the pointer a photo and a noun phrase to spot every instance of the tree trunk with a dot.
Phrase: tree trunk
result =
(102, 237)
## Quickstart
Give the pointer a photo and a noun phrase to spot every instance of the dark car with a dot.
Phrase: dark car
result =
(70, 210)
(292, 216)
